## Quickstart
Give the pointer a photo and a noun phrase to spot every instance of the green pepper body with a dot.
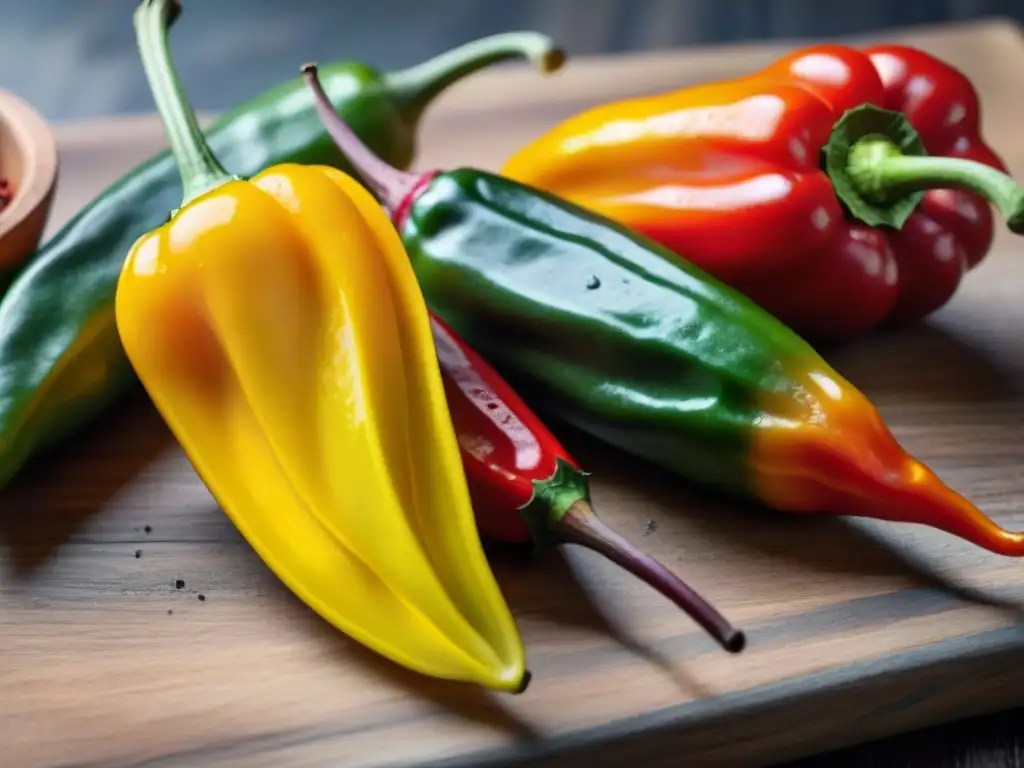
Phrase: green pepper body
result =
(605, 329)
(599, 326)
(61, 362)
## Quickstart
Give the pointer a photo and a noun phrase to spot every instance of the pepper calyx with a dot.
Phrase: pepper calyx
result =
(880, 170)
(861, 140)
(551, 499)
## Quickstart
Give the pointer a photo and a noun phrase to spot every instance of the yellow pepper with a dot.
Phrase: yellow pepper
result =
(278, 328)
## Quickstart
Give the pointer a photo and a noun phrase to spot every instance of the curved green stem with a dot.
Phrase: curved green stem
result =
(200, 170)
(880, 170)
(414, 88)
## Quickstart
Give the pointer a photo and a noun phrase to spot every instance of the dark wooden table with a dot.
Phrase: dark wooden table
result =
(96, 670)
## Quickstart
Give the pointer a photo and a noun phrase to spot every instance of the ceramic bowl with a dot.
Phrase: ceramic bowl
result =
(28, 166)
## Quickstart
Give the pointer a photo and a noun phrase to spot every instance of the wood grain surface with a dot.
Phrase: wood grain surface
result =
(137, 626)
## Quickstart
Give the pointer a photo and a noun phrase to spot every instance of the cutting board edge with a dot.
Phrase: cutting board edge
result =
(994, 651)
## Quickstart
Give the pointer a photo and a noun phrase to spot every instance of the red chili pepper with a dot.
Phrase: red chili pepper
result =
(744, 179)
(525, 486)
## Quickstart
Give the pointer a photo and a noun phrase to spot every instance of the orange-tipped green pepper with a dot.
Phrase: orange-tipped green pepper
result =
(801, 185)
(609, 331)
(278, 328)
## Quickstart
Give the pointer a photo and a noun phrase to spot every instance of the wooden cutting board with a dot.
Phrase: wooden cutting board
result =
(137, 627)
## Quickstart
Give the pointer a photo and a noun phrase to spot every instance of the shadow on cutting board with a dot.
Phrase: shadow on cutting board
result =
(59, 492)
(549, 588)
(545, 588)
(817, 545)
(927, 363)
(469, 702)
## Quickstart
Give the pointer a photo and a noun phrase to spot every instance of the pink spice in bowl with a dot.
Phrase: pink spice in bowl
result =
(28, 177)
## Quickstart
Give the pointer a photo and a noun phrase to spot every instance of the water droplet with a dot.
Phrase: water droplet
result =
(593, 283)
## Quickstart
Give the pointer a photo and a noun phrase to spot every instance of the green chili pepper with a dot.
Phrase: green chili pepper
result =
(626, 340)
(61, 362)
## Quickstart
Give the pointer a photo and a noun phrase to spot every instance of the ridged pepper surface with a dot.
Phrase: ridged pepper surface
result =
(61, 361)
(278, 328)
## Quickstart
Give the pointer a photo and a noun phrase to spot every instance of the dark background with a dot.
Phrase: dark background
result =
(77, 59)
(233, 49)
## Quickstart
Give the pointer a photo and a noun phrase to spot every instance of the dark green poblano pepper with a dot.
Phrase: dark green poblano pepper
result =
(626, 340)
(61, 362)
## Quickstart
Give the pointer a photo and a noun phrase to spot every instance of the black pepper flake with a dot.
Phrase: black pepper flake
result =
(170, 611)
(202, 596)
(138, 553)
(179, 584)
(148, 529)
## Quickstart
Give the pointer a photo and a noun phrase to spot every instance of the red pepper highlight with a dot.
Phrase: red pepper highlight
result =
(763, 182)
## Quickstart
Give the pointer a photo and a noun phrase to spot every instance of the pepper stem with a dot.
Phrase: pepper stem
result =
(389, 184)
(415, 88)
(579, 525)
(880, 170)
(200, 170)
(559, 512)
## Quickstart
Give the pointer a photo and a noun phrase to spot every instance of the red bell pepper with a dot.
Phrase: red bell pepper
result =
(526, 487)
(802, 185)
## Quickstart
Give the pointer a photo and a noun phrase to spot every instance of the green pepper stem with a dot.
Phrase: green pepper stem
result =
(879, 169)
(414, 88)
(200, 170)
(579, 525)
(389, 184)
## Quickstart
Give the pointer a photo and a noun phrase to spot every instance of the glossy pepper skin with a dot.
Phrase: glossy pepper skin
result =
(731, 176)
(61, 362)
(621, 337)
(526, 487)
(279, 330)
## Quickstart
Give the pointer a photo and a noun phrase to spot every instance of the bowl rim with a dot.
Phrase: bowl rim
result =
(33, 137)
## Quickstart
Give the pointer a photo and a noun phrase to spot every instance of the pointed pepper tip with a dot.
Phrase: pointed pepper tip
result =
(552, 60)
(734, 641)
(524, 682)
